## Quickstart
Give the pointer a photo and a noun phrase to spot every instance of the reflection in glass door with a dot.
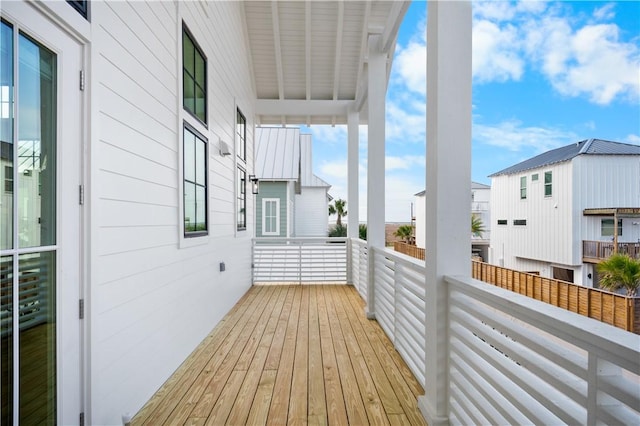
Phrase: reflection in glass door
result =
(28, 229)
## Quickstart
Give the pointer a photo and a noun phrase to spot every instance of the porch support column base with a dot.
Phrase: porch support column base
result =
(370, 315)
(429, 414)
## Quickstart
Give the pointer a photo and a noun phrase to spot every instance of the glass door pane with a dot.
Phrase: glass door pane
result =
(37, 322)
(6, 136)
(36, 145)
(6, 340)
(28, 188)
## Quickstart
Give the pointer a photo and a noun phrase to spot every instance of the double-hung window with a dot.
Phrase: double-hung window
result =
(548, 184)
(194, 77)
(523, 188)
(271, 216)
(195, 183)
(607, 228)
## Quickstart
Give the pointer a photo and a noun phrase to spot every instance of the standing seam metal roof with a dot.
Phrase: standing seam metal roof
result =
(566, 153)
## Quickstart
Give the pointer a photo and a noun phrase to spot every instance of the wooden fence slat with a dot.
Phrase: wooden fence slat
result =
(618, 310)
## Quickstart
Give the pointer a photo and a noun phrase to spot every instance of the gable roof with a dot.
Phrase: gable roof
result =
(283, 153)
(569, 152)
(277, 153)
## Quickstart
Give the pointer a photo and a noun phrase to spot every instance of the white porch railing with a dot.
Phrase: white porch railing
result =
(514, 360)
(300, 260)
(359, 265)
(511, 359)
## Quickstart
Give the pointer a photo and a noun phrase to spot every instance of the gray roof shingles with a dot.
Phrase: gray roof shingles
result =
(566, 153)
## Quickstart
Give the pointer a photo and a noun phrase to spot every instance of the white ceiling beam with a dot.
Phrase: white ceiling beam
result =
(300, 107)
(278, 49)
(337, 63)
(391, 27)
(338, 55)
(247, 42)
(362, 76)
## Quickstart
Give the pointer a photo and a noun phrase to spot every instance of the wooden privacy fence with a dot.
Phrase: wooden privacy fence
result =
(615, 309)
(620, 311)
(409, 249)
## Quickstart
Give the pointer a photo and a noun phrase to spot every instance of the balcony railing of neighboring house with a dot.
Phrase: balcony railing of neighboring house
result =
(298, 260)
(511, 359)
(595, 251)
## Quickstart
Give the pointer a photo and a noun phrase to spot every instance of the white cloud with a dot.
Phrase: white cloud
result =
(411, 65)
(602, 68)
(496, 55)
(513, 136)
(633, 139)
(605, 12)
(405, 162)
(580, 57)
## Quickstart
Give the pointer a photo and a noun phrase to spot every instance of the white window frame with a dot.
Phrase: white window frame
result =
(610, 227)
(264, 216)
(548, 184)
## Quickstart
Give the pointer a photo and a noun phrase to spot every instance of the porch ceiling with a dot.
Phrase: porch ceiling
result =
(309, 58)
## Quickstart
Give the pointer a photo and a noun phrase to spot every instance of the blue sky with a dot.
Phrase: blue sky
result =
(545, 74)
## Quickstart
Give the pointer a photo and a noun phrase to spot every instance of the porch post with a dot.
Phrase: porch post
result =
(448, 177)
(377, 87)
(353, 121)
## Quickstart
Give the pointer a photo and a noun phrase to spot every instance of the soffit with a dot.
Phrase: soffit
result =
(308, 58)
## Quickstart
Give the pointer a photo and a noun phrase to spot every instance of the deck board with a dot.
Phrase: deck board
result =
(290, 355)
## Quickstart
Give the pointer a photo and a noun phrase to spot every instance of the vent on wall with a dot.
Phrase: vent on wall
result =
(224, 149)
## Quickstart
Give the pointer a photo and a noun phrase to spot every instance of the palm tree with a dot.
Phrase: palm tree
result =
(362, 231)
(405, 232)
(338, 208)
(620, 271)
(477, 227)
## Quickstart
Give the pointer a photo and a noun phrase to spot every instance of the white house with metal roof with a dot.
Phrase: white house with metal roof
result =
(550, 211)
(480, 207)
(292, 201)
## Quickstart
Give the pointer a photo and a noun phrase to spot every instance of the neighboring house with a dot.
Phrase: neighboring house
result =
(545, 209)
(480, 207)
(292, 201)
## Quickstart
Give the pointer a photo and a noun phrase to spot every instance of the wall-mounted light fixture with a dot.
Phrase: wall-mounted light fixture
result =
(224, 149)
(255, 184)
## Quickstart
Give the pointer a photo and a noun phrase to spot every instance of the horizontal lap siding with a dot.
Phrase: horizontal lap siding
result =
(151, 301)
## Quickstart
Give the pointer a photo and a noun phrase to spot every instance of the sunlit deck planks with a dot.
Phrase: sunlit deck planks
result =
(290, 355)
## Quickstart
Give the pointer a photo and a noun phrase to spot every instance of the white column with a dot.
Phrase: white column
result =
(353, 121)
(375, 157)
(448, 208)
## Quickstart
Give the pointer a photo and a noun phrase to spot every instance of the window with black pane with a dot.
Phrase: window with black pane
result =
(195, 183)
(242, 199)
(194, 77)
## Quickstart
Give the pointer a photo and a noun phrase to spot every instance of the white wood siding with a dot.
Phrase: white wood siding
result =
(604, 182)
(548, 234)
(154, 297)
(311, 213)
(556, 225)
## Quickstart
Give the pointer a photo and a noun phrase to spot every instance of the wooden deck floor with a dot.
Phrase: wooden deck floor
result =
(290, 355)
